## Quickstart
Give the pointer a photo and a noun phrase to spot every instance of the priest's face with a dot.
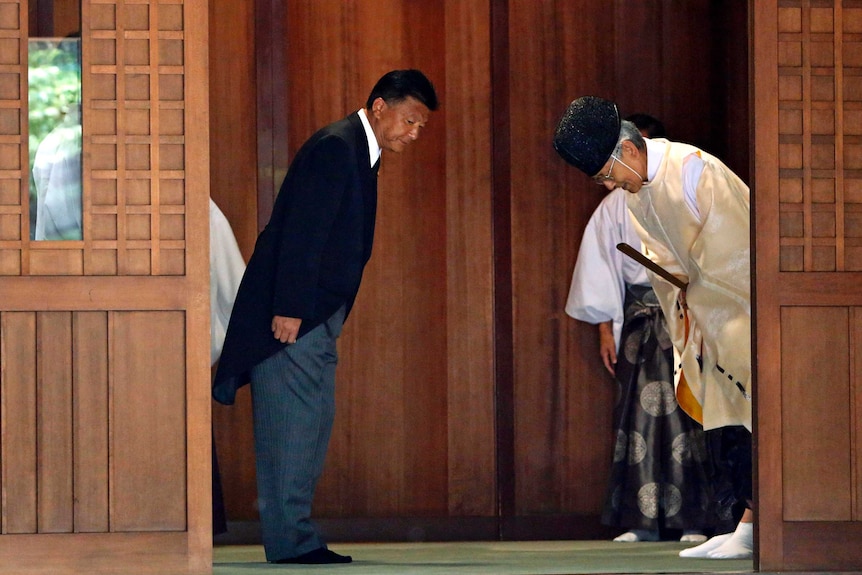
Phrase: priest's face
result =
(627, 170)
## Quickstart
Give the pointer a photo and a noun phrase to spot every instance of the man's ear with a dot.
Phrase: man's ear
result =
(378, 105)
(630, 149)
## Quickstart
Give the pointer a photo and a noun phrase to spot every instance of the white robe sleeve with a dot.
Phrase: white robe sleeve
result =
(597, 291)
(226, 269)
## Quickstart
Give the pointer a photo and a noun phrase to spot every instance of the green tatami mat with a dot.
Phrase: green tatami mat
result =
(487, 558)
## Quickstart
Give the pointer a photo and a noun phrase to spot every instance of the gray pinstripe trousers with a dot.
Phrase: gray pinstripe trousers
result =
(293, 406)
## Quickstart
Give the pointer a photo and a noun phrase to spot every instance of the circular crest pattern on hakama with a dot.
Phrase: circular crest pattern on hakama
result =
(620, 446)
(658, 399)
(689, 448)
(648, 500)
(652, 496)
(631, 347)
(616, 495)
(672, 500)
(637, 448)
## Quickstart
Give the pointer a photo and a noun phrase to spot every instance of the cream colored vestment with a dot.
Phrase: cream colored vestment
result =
(711, 252)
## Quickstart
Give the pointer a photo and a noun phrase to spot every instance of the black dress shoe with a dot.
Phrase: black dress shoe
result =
(320, 556)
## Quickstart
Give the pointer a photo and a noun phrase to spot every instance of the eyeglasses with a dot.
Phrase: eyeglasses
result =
(602, 178)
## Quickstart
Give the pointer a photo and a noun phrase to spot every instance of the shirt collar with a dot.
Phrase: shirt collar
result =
(374, 149)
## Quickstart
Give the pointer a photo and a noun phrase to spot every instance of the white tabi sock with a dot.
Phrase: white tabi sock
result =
(692, 536)
(636, 535)
(702, 550)
(739, 546)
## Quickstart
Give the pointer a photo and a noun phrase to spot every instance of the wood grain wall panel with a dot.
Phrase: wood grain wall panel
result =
(330, 87)
(54, 421)
(90, 417)
(233, 137)
(562, 399)
(392, 372)
(643, 59)
(815, 352)
(472, 483)
(389, 387)
(657, 45)
(148, 472)
(247, 138)
(856, 410)
(417, 222)
(233, 440)
(425, 318)
(19, 432)
(687, 40)
(637, 54)
(314, 86)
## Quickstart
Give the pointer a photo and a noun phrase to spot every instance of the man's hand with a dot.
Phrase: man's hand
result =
(607, 345)
(285, 329)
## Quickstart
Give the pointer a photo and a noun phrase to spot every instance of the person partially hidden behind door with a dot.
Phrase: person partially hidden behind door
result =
(226, 268)
(692, 215)
(659, 475)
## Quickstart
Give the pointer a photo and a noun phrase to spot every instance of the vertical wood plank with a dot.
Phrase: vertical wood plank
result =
(148, 422)
(90, 388)
(767, 320)
(19, 475)
(856, 410)
(233, 93)
(472, 481)
(193, 357)
(561, 397)
(245, 90)
(421, 209)
(54, 421)
(815, 381)
(392, 372)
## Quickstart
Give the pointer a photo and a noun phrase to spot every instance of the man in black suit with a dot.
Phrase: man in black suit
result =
(298, 289)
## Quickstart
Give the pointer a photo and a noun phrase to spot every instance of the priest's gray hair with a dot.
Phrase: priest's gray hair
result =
(628, 131)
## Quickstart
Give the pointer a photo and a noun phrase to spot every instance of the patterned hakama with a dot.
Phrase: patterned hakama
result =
(660, 471)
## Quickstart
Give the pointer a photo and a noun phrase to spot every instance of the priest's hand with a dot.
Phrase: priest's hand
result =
(607, 345)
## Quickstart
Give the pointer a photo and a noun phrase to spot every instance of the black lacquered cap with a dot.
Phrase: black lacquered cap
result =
(587, 133)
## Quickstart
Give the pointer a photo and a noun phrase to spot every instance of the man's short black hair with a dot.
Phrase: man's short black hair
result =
(650, 125)
(397, 85)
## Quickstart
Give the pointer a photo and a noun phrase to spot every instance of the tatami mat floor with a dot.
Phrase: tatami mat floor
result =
(486, 558)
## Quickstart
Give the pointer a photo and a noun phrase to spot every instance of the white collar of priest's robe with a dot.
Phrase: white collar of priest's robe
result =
(655, 154)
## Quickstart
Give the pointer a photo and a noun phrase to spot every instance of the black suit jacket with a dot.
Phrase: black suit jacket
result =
(309, 259)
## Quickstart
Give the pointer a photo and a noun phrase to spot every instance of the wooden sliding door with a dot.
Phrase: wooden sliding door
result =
(807, 77)
(104, 379)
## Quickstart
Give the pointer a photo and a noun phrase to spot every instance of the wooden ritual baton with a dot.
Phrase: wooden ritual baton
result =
(650, 265)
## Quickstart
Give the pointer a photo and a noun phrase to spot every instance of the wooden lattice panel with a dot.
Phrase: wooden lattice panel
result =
(134, 144)
(820, 135)
(13, 147)
(134, 192)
